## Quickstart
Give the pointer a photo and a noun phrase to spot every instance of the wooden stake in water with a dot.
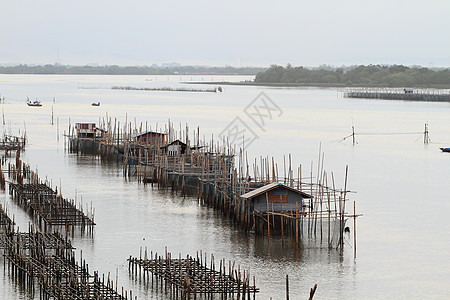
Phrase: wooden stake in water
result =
(354, 227)
(353, 135)
(426, 138)
(287, 287)
(296, 224)
(312, 292)
(268, 223)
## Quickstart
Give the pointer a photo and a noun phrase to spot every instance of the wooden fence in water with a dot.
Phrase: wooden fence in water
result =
(44, 255)
(49, 259)
(48, 208)
(12, 143)
(395, 94)
(193, 277)
(217, 174)
(5, 220)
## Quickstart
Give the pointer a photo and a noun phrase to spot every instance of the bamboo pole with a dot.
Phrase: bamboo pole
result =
(354, 228)
(268, 219)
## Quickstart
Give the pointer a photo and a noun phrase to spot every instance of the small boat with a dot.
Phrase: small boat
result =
(96, 104)
(34, 103)
(445, 149)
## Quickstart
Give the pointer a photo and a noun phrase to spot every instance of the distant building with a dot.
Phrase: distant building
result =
(175, 148)
(408, 90)
(150, 137)
(277, 196)
(85, 130)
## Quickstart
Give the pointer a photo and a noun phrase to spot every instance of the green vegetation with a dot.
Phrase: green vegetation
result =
(132, 70)
(371, 75)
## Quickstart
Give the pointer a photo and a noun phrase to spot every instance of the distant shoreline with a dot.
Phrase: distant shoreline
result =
(324, 85)
(270, 84)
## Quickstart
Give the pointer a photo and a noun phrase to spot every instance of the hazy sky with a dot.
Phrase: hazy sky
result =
(257, 33)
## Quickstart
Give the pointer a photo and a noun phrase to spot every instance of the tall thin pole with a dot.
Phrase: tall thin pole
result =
(353, 134)
(268, 223)
(354, 227)
(296, 224)
(287, 287)
(426, 139)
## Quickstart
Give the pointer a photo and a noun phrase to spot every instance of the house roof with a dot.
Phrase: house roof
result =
(269, 187)
(176, 142)
(144, 133)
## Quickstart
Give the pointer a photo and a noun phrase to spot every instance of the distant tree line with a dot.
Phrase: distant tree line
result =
(371, 75)
(131, 70)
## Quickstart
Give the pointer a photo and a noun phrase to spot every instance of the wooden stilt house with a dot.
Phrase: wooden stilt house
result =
(274, 204)
(275, 197)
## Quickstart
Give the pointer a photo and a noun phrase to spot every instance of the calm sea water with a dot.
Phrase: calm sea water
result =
(401, 185)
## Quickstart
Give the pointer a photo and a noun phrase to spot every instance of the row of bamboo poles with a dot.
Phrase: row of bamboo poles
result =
(45, 256)
(5, 220)
(218, 175)
(49, 259)
(12, 142)
(398, 94)
(47, 207)
(192, 276)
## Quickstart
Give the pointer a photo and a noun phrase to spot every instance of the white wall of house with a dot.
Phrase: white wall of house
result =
(173, 150)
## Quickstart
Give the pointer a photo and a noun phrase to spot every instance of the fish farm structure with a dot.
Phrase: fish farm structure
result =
(43, 256)
(48, 259)
(261, 196)
(407, 94)
(45, 205)
(305, 205)
(192, 276)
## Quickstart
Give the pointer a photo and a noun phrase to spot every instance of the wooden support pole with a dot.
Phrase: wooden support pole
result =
(268, 219)
(312, 292)
(354, 228)
(287, 287)
(296, 224)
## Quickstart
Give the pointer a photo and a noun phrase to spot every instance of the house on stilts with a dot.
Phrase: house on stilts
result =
(282, 209)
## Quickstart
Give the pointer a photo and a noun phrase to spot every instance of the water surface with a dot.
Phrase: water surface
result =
(401, 184)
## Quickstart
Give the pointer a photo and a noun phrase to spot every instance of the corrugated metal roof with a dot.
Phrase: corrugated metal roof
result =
(269, 187)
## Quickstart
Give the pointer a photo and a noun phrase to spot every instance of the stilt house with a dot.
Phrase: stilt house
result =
(275, 197)
(85, 130)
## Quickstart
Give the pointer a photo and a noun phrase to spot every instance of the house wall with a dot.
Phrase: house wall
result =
(172, 150)
(151, 138)
(85, 130)
(260, 202)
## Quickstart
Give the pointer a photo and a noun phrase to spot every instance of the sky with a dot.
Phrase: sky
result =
(219, 33)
